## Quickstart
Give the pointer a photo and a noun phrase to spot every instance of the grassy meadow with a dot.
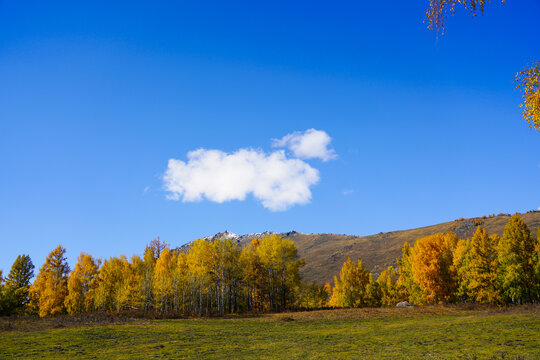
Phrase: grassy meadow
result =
(420, 332)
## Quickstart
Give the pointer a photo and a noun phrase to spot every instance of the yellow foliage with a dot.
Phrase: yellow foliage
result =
(199, 262)
(253, 277)
(81, 285)
(462, 260)
(387, 284)
(406, 286)
(163, 280)
(110, 281)
(271, 271)
(528, 80)
(483, 268)
(180, 281)
(439, 9)
(350, 289)
(49, 290)
(433, 267)
(131, 290)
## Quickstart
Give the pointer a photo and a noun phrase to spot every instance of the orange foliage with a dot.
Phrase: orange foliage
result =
(433, 267)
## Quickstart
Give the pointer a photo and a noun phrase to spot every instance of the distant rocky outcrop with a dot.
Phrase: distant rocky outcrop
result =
(242, 240)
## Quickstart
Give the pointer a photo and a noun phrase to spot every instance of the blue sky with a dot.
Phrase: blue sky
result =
(96, 97)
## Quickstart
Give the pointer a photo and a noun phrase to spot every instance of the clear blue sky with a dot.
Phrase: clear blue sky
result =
(96, 97)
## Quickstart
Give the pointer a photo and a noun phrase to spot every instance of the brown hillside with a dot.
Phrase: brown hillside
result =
(325, 253)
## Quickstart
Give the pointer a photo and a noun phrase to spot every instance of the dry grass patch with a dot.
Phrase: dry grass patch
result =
(411, 312)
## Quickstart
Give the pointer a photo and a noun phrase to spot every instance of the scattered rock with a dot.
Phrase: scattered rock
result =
(404, 304)
(465, 229)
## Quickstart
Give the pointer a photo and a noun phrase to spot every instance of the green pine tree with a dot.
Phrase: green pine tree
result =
(18, 280)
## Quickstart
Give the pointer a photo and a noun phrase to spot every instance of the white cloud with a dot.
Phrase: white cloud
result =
(308, 145)
(348, 192)
(276, 181)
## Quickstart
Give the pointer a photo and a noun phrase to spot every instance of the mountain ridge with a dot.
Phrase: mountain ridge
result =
(325, 253)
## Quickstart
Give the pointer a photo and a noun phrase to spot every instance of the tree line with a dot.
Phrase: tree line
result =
(210, 278)
(439, 268)
(219, 277)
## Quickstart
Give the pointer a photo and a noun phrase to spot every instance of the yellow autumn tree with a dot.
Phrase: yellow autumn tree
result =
(110, 281)
(253, 277)
(152, 252)
(387, 285)
(350, 288)
(163, 280)
(373, 295)
(407, 289)
(433, 268)
(279, 259)
(227, 273)
(49, 290)
(270, 273)
(131, 290)
(199, 261)
(483, 268)
(462, 261)
(81, 285)
(180, 283)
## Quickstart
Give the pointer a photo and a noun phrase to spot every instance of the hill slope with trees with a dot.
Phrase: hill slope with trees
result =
(324, 254)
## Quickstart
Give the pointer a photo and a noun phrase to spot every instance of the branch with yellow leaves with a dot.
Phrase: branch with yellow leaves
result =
(528, 80)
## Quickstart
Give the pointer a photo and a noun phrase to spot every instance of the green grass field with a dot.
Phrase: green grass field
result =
(428, 333)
